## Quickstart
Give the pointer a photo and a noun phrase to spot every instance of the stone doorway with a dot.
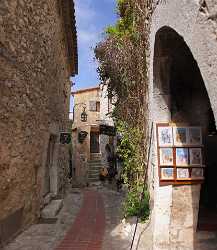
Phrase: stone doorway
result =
(50, 182)
(208, 199)
(179, 96)
(94, 142)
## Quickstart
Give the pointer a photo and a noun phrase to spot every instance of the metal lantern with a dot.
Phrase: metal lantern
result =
(84, 115)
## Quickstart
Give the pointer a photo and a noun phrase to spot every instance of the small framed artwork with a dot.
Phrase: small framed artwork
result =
(195, 156)
(166, 156)
(197, 173)
(180, 135)
(183, 173)
(182, 157)
(165, 136)
(195, 136)
(167, 173)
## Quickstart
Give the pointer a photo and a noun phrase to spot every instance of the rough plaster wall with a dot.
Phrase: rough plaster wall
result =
(105, 119)
(198, 27)
(34, 100)
(185, 201)
(85, 98)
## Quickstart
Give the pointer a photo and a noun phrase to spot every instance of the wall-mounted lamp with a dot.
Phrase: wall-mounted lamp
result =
(84, 115)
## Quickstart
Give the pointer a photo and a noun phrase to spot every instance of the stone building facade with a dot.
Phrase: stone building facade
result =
(38, 54)
(183, 89)
(84, 151)
(92, 149)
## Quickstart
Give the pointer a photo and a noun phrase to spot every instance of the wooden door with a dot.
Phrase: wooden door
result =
(49, 163)
(94, 142)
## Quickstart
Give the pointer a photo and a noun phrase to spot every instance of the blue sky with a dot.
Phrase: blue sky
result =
(92, 16)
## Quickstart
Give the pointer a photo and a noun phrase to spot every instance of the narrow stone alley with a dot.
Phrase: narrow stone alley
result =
(91, 219)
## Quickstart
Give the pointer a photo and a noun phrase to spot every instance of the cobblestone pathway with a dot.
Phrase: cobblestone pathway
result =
(115, 237)
(48, 236)
(94, 224)
(88, 229)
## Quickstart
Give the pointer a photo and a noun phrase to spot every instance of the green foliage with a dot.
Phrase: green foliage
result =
(137, 203)
(131, 151)
(125, 24)
(122, 58)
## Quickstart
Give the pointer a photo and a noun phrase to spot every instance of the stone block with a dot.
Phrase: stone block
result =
(51, 210)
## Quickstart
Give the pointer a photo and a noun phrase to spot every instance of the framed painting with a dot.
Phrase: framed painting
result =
(183, 173)
(195, 136)
(166, 156)
(165, 136)
(195, 156)
(167, 173)
(197, 173)
(180, 135)
(182, 157)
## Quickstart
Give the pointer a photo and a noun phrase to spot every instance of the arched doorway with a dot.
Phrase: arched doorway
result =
(180, 96)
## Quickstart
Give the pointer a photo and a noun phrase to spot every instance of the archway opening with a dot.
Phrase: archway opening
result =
(180, 97)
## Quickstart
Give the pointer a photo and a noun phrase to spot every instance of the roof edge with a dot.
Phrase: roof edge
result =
(85, 90)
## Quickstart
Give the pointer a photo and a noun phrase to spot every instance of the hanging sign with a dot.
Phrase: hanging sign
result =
(65, 138)
(81, 136)
(107, 130)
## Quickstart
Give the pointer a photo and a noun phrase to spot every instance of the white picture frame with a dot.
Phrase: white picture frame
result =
(182, 157)
(180, 136)
(195, 156)
(167, 173)
(197, 173)
(165, 136)
(183, 173)
(166, 157)
(195, 136)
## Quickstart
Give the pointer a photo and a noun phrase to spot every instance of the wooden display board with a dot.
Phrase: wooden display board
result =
(180, 154)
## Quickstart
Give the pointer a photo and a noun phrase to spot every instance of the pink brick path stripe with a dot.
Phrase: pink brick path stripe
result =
(88, 228)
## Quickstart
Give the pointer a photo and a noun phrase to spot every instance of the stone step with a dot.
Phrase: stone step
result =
(93, 179)
(95, 166)
(94, 169)
(93, 175)
(95, 156)
(52, 209)
(95, 163)
(96, 183)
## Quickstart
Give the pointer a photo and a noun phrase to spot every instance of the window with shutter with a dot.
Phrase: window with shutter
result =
(98, 106)
(92, 105)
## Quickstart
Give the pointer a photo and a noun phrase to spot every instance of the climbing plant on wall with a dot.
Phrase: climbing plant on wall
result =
(123, 64)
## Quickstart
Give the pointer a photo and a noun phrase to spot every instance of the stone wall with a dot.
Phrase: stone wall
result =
(175, 210)
(34, 101)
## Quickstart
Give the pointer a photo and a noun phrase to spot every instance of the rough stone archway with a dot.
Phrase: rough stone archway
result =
(180, 96)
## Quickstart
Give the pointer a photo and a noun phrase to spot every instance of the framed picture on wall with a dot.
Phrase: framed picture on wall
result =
(197, 173)
(180, 135)
(195, 156)
(195, 136)
(182, 157)
(166, 156)
(167, 173)
(165, 136)
(183, 173)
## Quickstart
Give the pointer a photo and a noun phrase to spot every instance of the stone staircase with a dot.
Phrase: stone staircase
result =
(94, 167)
